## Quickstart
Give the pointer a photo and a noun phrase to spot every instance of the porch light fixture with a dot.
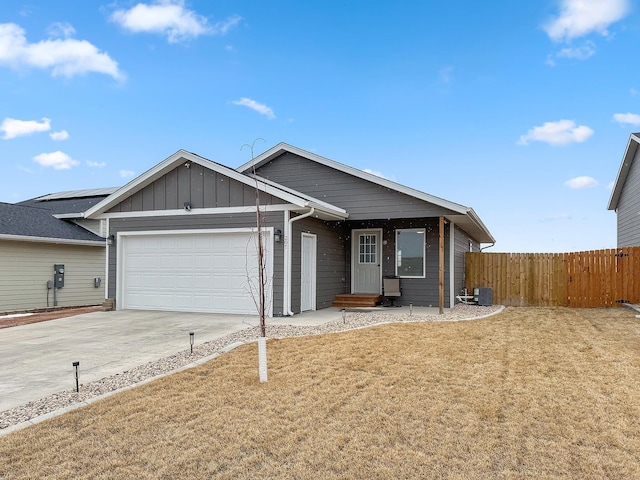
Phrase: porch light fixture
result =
(75, 367)
(191, 339)
(277, 236)
(111, 239)
(187, 206)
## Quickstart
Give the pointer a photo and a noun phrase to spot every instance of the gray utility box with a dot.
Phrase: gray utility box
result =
(483, 296)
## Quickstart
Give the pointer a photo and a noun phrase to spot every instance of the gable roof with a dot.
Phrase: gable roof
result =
(623, 171)
(72, 203)
(24, 223)
(464, 216)
(323, 210)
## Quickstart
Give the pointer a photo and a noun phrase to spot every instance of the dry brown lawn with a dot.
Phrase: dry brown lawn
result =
(530, 393)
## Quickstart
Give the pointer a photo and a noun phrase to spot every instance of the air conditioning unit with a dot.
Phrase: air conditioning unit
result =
(483, 296)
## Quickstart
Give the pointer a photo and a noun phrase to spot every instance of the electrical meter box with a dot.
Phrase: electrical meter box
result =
(58, 276)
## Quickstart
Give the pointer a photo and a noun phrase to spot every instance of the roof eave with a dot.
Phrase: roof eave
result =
(625, 165)
(65, 241)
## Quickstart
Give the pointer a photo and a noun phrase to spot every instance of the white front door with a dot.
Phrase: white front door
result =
(366, 274)
(308, 273)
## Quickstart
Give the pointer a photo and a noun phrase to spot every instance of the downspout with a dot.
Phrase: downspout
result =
(288, 259)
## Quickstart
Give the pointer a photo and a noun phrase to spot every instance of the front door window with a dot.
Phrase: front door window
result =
(368, 248)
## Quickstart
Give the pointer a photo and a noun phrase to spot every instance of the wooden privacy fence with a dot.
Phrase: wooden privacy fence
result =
(600, 278)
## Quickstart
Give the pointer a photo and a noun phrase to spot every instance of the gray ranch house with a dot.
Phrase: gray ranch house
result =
(183, 235)
(625, 197)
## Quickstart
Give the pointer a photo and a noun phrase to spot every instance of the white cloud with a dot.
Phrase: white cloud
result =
(66, 57)
(561, 132)
(61, 135)
(62, 30)
(578, 18)
(581, 182)
(13, 128)
(56, 160)
(170, 18)
(96, 164)
(630, 118)
(576, 53)
(261, 108)
(127, 173)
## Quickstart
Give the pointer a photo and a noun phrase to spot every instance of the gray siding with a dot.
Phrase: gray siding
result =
(26, 267)
(628, 212)
(461, 247)
(346, 191)
(201, 187)
(330, 261)
(196, 222)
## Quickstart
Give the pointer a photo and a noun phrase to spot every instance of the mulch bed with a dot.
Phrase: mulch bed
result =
(43, 316)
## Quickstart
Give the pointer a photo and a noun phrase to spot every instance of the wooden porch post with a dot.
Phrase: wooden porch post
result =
(441, 267)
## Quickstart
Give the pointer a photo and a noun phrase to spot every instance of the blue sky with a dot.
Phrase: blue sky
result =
(521, 110)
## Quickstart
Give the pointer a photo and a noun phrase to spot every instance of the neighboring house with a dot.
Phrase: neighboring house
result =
(625, 197)
(182, 236)
(39, 233)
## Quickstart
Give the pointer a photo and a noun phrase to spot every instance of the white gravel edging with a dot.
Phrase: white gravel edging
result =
(48, 407)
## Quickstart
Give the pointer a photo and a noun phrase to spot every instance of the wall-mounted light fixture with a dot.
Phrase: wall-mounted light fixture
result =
(187, 164)
(277, 236)
(111, 239)
(187, 206)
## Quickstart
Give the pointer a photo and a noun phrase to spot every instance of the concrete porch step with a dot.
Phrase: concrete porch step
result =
(357, 300)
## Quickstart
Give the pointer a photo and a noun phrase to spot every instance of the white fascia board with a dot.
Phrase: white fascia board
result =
(283, 147)
(64, 241)
(169, 164)
(623, 171)
(68, 215)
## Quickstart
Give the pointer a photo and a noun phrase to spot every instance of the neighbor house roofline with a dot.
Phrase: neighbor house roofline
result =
(466, 216)
(63, 241)
(183, 156)
(623, 171)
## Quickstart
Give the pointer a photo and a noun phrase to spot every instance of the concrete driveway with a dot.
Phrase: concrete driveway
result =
(37, 358)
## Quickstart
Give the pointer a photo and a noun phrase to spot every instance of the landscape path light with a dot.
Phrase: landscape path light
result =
(191, 339)
(75, 367)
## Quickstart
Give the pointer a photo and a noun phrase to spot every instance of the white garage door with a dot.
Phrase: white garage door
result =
(204, 272)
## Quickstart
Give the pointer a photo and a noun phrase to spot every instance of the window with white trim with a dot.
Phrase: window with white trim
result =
(410, 253)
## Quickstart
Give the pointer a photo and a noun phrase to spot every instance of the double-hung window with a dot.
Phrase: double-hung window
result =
(410, 253)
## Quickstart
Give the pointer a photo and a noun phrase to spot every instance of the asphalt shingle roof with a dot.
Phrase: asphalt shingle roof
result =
(26, 221)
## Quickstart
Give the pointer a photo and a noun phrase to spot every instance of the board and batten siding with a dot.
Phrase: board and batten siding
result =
(628, 211)
(330, 261)
(27, 266)
(202, 222)
(346, 191)
(201, 187)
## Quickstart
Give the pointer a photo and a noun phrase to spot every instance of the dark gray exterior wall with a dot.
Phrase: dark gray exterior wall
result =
(361, 198)
(418, 291)
(199, 222)
(461, 247)
(628, 220)
(330, 261)
(201, 187)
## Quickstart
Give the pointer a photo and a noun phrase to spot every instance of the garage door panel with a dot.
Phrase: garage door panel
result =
(189, 272)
